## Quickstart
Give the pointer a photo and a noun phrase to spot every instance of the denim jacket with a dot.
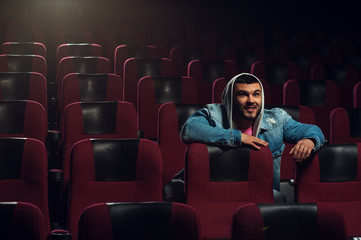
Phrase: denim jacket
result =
(210, 125)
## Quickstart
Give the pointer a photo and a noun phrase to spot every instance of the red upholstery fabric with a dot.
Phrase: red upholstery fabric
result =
(71, 92)
(24, 86)
(29, 116)
(21, 220)
(330, 93)
(124, 52)
(73, 131)
(343, 196)
(220, 84)
(276, 74)
(340, 129)
(177, 90)
(85, 189)
(206, 72)
(31, 183)
(345, 77)
(216, 201)
(182, 224)
(23, 63)
(248, 222)
(161, 67)
(169, 141)
(23, 48)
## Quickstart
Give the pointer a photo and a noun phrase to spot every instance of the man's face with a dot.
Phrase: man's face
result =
(247, 100)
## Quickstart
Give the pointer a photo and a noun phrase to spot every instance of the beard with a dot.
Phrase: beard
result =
(242, 113)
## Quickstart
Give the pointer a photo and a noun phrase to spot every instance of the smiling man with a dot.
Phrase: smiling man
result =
(242, 120)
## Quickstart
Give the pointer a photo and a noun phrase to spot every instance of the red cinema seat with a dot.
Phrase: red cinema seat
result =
(23, 48)
(276, 74)
(23, 118)
(92, 87)
(155, 220)
(206, 72)
(23, 86)
(23, 174)
(332, 177)
(23, 63)
(343, 75)
(287, 221)
(170, 121)
(154, 91)
(136, 68)
(218, 181)
(21, 220)
(345, 125)
(81, 65)
(124, 52)
(96, 120)
(321, 96)
(113, 170)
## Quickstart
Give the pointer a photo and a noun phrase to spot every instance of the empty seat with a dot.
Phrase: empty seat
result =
(113, 170)
(96, 120)
(24, 48)
(332, 178)
(171, 118)
(304, 61)
(24, 174)
(345, 125)
(124, 52)
(23, 86)
(182, 56)
(82, 87)
(344, 76)
(21, 220)
(23, 118)
(220, 180)
(23, 63)
(276, 74)
(149, 220)
(287, 221)
(321, 96)
(206, 72)
(244, 57)
(154, 91)
(135, 69)
(81, 65)
(79, 50)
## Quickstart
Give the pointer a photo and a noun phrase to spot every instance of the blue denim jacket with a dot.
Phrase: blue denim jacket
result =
(211, 126)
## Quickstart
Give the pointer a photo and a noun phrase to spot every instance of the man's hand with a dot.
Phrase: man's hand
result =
(253, 142)
(302, 150)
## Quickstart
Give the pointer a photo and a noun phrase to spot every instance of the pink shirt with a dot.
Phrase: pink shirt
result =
(247, 131)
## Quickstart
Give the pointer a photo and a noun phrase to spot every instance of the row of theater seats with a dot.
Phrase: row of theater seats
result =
(178, 221)
(218, 182)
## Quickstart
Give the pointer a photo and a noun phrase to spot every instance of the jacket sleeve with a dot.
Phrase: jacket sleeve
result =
(200, 127)
(295, 131)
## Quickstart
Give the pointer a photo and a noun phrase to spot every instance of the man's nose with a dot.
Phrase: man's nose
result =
(250, 99)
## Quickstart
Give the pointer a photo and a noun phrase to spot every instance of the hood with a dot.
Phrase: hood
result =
(227, 100)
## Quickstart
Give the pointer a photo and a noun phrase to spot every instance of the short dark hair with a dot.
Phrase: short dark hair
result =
(245, 78)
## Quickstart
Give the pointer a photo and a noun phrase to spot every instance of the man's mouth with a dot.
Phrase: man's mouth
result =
(250, 108)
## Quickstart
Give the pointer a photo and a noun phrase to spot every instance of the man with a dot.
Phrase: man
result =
(242, 120)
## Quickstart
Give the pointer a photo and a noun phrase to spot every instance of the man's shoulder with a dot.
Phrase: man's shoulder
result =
(279, 112)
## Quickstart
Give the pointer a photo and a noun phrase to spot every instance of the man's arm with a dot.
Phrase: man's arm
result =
(307, 138)
(201, 128)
